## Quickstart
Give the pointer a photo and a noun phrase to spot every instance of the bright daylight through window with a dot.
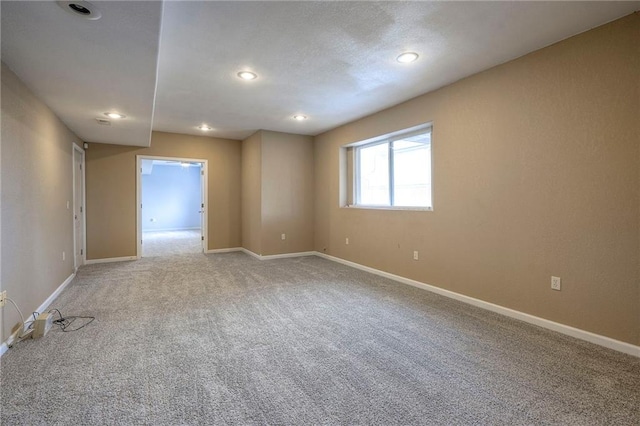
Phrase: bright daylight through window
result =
(394, 172)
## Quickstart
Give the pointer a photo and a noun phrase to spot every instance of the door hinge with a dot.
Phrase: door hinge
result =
(80, 209)
(202, 238)
(80, 166)
(202, 205)
(81, 252)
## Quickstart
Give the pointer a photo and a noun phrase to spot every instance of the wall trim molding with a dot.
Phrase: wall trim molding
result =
(110, 260)
(279, 256)
(170, 229)
(224, 250)
(56, 293)
(250, 253)
(588, 336)
(7, 343)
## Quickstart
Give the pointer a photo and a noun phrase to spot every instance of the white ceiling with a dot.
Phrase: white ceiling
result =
(332, 61)
(82, 68)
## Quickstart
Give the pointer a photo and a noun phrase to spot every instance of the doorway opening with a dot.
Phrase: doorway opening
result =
(79, 230)
(171, 206)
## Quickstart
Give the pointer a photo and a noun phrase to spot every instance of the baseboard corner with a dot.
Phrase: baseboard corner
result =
(224, 250)
(279, 256)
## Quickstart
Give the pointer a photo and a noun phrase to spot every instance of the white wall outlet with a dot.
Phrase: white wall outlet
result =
(67, 205)
(283, 236)
(3, 298)
(64, 256)
(415, 255)
(346, 241)
(555, 283)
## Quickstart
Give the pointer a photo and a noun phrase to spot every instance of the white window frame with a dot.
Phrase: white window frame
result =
(389, 139)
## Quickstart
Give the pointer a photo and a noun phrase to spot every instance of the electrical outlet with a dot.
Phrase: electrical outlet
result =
(64, 256)
(555, 283)
(3, 298)
(415, 255)
(346, 241)
(283, 236)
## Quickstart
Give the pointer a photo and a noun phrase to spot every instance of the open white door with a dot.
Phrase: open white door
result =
(203, 204)
(78, 207)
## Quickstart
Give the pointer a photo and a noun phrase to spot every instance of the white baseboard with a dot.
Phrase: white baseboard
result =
(6, 344)
(224, 250)
(170, 229)
(598, 339)
(279, 256)
(55, 294)
(531, 319)
(250, 253)
(110, 260)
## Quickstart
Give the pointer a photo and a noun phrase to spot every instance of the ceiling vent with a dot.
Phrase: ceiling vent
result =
(81, 8)
(103, 121)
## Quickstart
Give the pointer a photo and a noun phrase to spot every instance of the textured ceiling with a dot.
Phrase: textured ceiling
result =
(82, 68)
(332, 61)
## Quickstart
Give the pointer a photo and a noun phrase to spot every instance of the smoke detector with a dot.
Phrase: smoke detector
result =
(81, 8)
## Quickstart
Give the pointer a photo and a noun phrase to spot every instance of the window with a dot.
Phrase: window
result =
(394, 172)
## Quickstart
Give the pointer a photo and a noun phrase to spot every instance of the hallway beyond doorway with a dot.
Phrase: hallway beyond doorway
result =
(167, 243)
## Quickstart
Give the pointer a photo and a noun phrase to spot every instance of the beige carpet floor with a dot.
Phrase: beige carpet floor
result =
(227, 339)
(167, 243)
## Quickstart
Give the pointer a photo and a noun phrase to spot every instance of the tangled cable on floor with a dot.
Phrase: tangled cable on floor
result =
(65, 322)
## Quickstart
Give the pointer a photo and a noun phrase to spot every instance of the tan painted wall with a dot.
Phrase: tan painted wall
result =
(536, 173)
(252, 193)
(277, 185)
(287, 193)
(111, 191)
(37, 182)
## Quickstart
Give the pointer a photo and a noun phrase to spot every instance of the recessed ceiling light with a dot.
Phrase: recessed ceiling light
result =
(114, 115)
(300, 117)
(407, 57)
(247, 75)
(205, 128)
(81, 8)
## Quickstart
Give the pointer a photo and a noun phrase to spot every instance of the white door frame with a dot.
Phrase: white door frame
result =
(79, 199)
(205, 197)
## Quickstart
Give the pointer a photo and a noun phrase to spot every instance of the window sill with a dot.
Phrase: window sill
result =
(421, 209)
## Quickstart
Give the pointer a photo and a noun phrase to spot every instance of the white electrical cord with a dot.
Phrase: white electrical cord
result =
(17, 309)
(20, 334)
